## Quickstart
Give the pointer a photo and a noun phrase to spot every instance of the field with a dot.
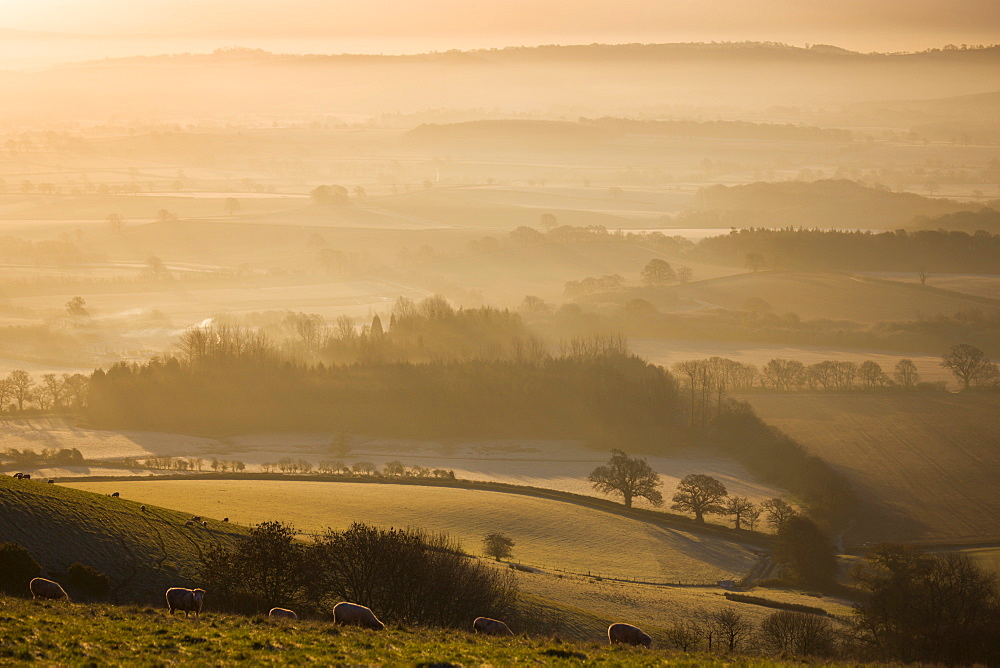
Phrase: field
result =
(548, 534)
(925, 464)
(559, 465)
(834, 296)
(977, 285)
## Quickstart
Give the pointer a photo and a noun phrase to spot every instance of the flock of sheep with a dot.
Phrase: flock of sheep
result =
(344, 613)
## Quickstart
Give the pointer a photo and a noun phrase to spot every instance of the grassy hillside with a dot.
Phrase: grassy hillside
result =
(551, 534)
(835, 296)
(107, 635)
(924, 464)
(142, 553)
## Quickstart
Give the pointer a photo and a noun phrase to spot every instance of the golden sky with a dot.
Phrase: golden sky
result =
(865, 25)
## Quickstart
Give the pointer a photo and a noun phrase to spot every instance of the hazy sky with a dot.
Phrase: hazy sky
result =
(406, 25)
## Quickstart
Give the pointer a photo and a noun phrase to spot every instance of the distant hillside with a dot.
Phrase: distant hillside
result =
(600, 79)
(924, 463)
(508, 133)
(836, 203)
(977, 107)
(986, 219)
(142, 553)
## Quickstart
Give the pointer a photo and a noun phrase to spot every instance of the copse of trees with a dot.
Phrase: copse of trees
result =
(20, 391)
(230, 379)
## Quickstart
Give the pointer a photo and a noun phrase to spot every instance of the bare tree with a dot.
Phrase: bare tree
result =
(21, 387)
(969, 364)
(906, 374)
(739, 507)
(629, 477)
(778, 511)
(699, 493)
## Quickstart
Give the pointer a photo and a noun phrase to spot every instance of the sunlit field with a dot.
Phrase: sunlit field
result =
(548, 534)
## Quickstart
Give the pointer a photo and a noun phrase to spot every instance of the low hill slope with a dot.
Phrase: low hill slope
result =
(551, 534)
(143, 553)
(925, 463)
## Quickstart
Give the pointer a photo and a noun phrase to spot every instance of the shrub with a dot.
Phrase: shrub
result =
(17, 568)
(768, 603)
(88, 579)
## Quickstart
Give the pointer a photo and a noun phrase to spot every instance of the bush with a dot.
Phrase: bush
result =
(17, 568)
(796, 633)
(88, 579)
(409, 576)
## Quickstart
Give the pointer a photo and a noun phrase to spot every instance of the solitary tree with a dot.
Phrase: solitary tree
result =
(232, 205)
(76, 306)
(20, 386)
(969, 364)
(699, 493)
(658, 272)
(498, 545)
(628, 476)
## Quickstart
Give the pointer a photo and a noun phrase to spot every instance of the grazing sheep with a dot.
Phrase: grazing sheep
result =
(491, 627)
(188, 600)
(143, 509)
(25, 476)
(358, 615)
(629, 635)
(189, 523)
(205, 524)
(52, 482)
(225, 519)
(282, 613)
(18, 475)
(42, 588)
(196, 518)
(115, 495)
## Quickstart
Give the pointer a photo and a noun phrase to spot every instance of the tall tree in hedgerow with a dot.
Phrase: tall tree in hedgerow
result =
(805, 553)
(629, 477)
(699, 494)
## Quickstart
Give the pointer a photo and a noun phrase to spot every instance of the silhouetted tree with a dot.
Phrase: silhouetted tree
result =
(20, 386)
(969, 365)
(798, 634)
(629, 477)
(699, 493)
(906, 375)
(805, 553)
(498, 545)
(739, 507)
(657, 272)
(778, 512)
(232, 205)
(76, 307)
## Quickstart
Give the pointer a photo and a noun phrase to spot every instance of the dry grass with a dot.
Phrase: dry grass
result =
(925, 464)
(551, 534)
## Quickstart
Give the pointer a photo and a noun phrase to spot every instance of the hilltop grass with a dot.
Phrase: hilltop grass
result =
(60, 633)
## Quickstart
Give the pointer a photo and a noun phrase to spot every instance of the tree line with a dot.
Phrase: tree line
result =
(20, 391)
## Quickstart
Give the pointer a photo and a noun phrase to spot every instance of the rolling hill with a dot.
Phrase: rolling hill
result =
(924, 464)
(143, 553)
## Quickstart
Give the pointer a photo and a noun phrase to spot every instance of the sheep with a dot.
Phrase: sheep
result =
(282, 613)
(358, 615)
(42, 588)
(205, 524)
(18, 475)
(25, 476)
(491, 627)
(52, 482)
(188, 600)
(143, 509)
(196, 518)
(189, 523)
(629, 635)
(115, 495)
(225, 519)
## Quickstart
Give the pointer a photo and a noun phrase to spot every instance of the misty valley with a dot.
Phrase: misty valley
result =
(645, 352)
